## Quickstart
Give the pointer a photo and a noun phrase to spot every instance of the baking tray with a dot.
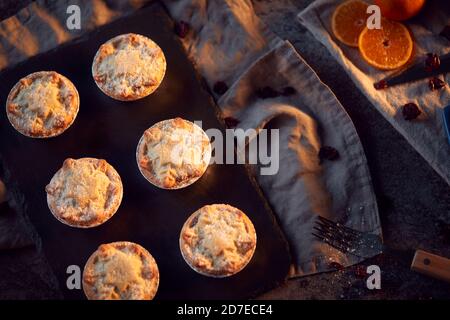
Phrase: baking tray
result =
(110, 129)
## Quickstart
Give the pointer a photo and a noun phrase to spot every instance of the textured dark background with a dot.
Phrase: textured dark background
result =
(414, 202)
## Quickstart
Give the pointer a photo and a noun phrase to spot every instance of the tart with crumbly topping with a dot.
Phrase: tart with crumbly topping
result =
(120, 271)
(218, 240)
(43, 104)
(173, 153)
(85, 192)
(129, 67)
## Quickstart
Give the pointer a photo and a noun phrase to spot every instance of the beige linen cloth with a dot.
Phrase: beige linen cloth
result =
(426, 134)
(227, 42)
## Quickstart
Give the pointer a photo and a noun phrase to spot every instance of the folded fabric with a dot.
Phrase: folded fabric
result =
(426, 134)
(43, 25)
(228, 43)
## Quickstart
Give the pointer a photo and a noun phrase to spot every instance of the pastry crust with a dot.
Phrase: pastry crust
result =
(120, 271)
(84, 193)
(173, 154)
(129, 67)
(218, 240)
(43, 104)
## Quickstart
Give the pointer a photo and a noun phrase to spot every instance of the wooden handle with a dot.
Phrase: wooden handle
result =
(2, 192)
(431, 265)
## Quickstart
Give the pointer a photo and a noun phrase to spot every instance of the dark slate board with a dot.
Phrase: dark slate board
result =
(109, 129)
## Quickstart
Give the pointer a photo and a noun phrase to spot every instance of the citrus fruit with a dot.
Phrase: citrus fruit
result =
(348, 20)
(399, 9)
(387, 48)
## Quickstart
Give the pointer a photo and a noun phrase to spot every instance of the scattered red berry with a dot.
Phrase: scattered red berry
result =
(220, 87)
(328, 153)
(266, 93)
(360, 271)
(336, 265)
(411, 111)
(231, 122)
(288, 91)
(382, 84)
(446, 32)
(182, 29)
(432, 62)
(436, 84)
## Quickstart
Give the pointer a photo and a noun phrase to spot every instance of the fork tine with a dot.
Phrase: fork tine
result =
(317, 236)
(336, 235)
(323, 233)
(328, 235)
(337, 231)
(345, 243)
(344, 239)
(336, 245)
(339, 226)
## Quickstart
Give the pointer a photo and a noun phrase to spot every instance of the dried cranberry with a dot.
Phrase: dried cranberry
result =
(231, 122)
(411, 111)
(288, 91)
(436, 84)
(382, 84)
(220, 87)
(432, 62)
(445, 32)
(328, 153)
(336, 265)
(182, 29)
(266, 93)
(360, 271)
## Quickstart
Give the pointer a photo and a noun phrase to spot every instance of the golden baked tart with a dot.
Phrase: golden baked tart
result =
(218, 240)
(120, 271)
(129, 67)
(43, 104)
(173, 153)
(85, 192)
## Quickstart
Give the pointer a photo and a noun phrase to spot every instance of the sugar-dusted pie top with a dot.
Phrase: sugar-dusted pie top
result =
(218, 240)
(120, 271)
(43, 104)
(129, 67)
(173, 153)
(84, 192)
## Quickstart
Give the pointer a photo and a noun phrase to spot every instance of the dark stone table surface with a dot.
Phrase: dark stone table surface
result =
(414, 202)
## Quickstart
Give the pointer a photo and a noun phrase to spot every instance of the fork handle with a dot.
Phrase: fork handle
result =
(431, 265)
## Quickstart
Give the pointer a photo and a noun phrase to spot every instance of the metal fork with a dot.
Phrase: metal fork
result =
(347, 240)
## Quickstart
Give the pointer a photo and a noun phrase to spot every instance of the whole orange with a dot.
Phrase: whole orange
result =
(399, 9)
